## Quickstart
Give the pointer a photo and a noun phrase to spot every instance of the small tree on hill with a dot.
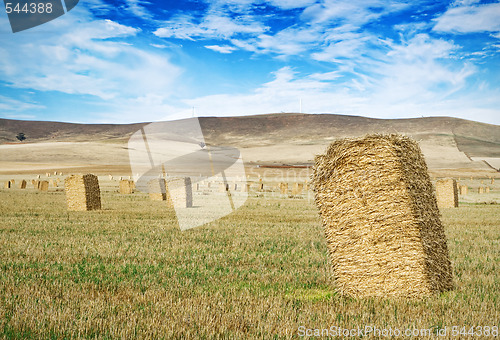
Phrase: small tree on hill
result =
(21, 136)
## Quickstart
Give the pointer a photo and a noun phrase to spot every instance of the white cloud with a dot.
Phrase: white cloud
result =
(355, 13)
(86, 59)
(225, 49)
(213, 26)
(470, 19)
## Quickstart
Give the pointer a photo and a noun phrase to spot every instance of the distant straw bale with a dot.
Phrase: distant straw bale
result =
(297, 189)
(22, 184)
(82, 192)
(110, 177)
(492, 181)
(6, 185)
(33, 182)
(43, 186)
(37, 176)
(157, 189)
(223, 187)
(283, 188)
(486, 189)
(464, 190)
(180, 192)
(126, 187)
(12, 183)
(447, 193)
(52, 183)
(47, 174)
(36, 184)
(480, 190)
(381, 219)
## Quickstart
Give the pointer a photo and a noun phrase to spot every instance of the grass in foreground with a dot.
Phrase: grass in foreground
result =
(262, 272)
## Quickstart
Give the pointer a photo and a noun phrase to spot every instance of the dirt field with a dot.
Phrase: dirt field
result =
(127, 271)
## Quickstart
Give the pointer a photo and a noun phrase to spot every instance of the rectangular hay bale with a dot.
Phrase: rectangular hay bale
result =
(464, 190)
(180, 192)
(381, 219)
(82, 192)
(43, 186)
(157, 189)
(22, 184)
(447, 193)
(126, 188)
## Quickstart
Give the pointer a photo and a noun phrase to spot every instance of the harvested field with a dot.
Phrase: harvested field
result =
(128, 272)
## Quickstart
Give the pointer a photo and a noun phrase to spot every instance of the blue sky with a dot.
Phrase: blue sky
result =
(137, 60)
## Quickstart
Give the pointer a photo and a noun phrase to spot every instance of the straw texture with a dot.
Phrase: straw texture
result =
(447, 193)
(381, 219)
(82, 192)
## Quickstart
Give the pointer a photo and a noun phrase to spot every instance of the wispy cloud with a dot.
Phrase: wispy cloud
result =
(212, 26)
(9, 105)
(225, 49)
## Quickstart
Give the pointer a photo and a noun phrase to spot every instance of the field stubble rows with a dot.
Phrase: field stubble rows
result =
(261, 272)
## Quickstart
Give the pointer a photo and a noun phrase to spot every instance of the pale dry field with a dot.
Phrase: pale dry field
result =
(127, 271)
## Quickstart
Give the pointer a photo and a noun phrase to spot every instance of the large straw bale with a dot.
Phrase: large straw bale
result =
(22, 184)
(126, 187)
(464, 189)
(447, 193)
(82, 192)
(381, 219)
(43, 186)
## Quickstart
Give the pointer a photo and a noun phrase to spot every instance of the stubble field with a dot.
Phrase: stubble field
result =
(127, 271)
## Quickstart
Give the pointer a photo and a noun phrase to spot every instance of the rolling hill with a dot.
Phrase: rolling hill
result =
(285, 138)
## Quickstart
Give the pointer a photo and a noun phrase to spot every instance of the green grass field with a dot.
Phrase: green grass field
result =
(127, 271)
